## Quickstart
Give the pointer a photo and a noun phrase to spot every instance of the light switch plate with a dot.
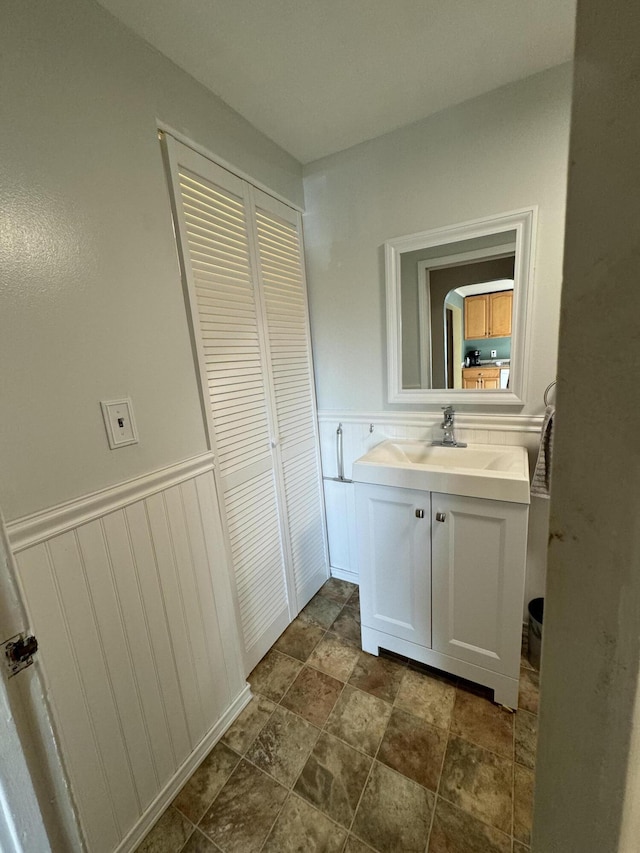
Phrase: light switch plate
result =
(494, 353)
(119, 422)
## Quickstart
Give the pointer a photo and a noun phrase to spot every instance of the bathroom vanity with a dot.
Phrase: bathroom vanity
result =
(442, 536)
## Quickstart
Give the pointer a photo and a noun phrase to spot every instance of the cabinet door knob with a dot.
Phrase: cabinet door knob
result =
(419, 513)
(441, 516)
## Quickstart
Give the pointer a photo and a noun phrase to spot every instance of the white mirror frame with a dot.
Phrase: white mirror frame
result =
(523, 222)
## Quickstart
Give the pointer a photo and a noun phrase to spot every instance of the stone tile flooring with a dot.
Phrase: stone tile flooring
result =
(342, 752)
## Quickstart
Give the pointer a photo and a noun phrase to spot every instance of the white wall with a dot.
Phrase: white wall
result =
(91, 304)
(499, 152)
(588, 779)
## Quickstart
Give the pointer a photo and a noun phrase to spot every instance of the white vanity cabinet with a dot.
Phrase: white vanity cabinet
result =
(445, 589)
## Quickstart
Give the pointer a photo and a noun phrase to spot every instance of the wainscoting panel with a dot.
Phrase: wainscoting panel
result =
(341, 532)
(139, 654)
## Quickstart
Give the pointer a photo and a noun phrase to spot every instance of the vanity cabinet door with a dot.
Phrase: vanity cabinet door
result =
(478, 568)
(394, 555)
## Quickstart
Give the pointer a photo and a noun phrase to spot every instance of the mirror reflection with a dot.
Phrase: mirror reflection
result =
(456, 296)
(456, 303)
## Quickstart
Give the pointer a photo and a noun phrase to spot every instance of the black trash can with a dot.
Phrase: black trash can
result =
(536, 611)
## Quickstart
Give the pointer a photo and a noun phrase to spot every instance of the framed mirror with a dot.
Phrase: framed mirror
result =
(457, 312)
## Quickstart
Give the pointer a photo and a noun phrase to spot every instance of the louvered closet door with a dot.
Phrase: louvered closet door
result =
(215, 242)
(281, 270)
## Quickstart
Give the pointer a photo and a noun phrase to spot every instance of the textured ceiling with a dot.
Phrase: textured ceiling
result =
(318, 76)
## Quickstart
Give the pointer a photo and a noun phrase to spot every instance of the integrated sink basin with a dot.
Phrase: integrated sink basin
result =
(496, 472)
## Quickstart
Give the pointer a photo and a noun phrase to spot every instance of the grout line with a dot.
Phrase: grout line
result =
(208, 837)
(500, 755)
(242, 755)
(475, 817)
(258, 733)
(280, 810)
(444, 756)
(233, 770)
(324, 672)
(323, 729)
(340, 740)
(184, 817)
(364, 787)
(513, 766)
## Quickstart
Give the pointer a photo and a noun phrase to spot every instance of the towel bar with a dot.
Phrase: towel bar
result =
(546, 392)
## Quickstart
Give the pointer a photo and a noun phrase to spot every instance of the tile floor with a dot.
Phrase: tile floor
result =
(342, 752)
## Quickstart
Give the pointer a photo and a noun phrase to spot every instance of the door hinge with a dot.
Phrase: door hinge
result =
(19, 652)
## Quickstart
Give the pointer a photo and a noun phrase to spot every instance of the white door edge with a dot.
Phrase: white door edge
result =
(22, 823)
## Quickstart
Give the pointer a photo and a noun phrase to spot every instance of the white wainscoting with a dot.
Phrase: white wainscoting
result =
(129, 595)
(363, 430)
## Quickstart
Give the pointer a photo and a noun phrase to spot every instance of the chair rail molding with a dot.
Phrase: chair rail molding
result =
(481, 421)
(43, 525)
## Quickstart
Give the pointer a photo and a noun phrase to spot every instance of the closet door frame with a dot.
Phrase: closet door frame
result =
(177, 153)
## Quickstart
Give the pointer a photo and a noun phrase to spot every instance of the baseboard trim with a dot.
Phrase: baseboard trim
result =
(167, 794)
(345, 575)
(506, 423)
(40, 526)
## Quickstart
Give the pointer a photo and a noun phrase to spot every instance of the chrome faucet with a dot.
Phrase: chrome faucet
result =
(447, 426)
(449, 438)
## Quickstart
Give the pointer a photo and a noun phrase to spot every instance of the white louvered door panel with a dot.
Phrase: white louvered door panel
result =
(281, 273)
(215, 241)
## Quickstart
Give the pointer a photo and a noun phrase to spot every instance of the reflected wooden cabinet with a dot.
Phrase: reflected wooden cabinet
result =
(481, 377)
(476, 316)
(500, 309)
(488, 315)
